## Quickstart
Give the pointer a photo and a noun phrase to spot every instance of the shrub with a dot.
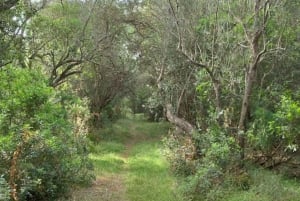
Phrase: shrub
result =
(176, 149)
(42, 139)
(207, 174)
(286, 123)
(276, 130)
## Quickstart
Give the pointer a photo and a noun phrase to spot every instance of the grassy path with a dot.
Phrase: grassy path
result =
(129, 165)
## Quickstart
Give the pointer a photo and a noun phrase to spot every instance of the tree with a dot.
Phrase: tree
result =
(15, 15)
(60, 42)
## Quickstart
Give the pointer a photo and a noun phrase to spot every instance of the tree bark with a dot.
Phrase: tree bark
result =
(172, 118)
(245, 108)
(179, 122)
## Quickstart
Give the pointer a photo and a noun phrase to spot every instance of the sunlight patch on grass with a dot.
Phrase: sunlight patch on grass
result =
(107, 163)
(148, 178)
(146, 172)
(108, 147)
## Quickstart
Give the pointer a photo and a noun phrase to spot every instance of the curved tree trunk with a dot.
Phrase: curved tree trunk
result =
(179, 122)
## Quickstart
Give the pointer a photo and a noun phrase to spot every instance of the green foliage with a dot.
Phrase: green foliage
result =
(286, 123)
(266, 186)
(23, 94)
(259, 135)
(46, 131)
(215, 175)
(4, 190)
(57, 22)
(280, 127)
(206, 161)
(219, 156)
(153, 110)
(204, 185)
(175, 150)
(210, 48)
(14, 15)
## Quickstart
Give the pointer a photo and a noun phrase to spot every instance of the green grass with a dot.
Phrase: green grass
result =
(107, 147)
(148, 178)
(108, 163)
(267, 186)
(131, 149)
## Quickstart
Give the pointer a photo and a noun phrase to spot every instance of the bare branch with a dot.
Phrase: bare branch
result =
(177, 22)
(238, 20)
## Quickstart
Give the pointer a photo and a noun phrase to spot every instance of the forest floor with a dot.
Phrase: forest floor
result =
(129, 165)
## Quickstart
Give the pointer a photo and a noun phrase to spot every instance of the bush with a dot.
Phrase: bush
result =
(286, 123)
(176, 149)
(276, 130)
(43, 137)
(207, 162)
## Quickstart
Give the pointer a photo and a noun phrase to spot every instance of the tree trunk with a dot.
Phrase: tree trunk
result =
(179, 122)
(245, 108)
(172, 118)
(217, 90)
(256, 54)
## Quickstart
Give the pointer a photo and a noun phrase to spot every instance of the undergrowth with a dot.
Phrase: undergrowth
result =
(266, 186)
(208, 169)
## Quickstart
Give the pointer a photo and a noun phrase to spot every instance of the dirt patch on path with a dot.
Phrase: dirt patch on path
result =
(105, 188)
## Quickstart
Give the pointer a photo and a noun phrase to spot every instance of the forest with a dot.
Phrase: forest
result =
(149, 100)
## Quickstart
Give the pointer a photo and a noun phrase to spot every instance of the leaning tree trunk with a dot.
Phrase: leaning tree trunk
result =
(179, 122)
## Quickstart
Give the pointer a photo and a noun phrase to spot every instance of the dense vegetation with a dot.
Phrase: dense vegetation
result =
(225, 74)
